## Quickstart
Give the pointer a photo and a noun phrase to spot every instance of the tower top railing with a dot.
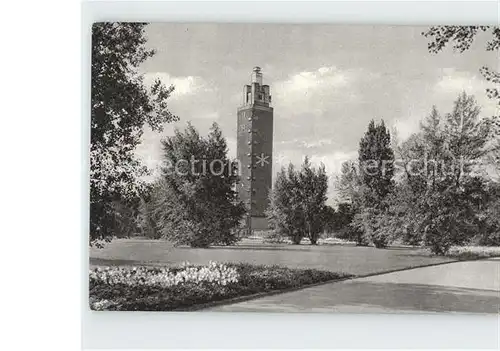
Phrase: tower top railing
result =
(257, 75)
(256, 93)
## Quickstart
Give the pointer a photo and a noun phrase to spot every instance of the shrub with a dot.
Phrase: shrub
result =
(489, 239)
(472, 252)
(275, 237)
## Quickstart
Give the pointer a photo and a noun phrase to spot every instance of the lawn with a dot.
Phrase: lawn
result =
(334, 258)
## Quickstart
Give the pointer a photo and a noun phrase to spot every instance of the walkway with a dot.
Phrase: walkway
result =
(467, 287)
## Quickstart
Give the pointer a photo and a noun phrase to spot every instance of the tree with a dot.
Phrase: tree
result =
(402, 218)
(147, 220)
(494, 155)
(342, 219)
(350, 187)
(330, 217)
(376, 160)
(348, 184)
(195, 202)
(298, 202)
(433, 145)
(376, 163)
(490, 216)
(461, 38)
(440, 201)
(467, 135)
(313, 185)
(284, 212)
(121, 105)
(449, 216)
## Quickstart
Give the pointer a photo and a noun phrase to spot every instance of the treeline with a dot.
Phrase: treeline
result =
(437, 188)
(434, 189)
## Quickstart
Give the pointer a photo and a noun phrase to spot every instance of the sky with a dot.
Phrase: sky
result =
(327, 82)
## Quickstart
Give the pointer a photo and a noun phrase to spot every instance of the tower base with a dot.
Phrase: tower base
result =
(259, 223)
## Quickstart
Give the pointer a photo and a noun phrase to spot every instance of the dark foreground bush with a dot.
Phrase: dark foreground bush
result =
(147, 293)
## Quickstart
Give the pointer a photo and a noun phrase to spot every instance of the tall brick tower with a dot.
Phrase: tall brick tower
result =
(255, 150)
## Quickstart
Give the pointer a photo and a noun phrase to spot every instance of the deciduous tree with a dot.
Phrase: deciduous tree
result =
(121, 105)
(195, 202)
(297, 206)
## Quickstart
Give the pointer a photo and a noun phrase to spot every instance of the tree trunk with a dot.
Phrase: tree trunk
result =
(297, 238)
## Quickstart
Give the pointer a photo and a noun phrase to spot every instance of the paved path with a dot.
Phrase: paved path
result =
(469, 287)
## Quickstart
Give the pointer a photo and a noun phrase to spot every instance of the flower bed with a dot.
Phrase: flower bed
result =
(167, 289)
(473, 252)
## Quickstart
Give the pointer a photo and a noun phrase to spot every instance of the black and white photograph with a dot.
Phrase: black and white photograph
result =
(323, 168)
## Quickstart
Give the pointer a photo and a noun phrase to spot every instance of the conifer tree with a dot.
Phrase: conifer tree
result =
(376, 164)
(376, 160)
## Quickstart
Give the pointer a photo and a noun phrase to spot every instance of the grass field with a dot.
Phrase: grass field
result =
(334, 258)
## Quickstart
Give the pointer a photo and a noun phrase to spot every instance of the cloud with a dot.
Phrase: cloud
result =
(184, 86)
(213, 116)
(310, 82)
(453, 82)
(312, 91)
(149, 151)
(445, 91)
(333, 161)
(405, 127)
(316, 143)
(231, 147)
